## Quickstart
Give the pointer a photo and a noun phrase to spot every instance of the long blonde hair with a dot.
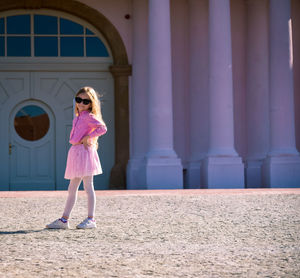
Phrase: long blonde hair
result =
(95, 102)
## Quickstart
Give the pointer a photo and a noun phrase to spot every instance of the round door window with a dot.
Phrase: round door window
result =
(31, 122)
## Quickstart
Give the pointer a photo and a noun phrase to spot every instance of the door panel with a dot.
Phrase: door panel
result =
(59, 89)
(40, 164)
(42, 169)
(31, 160)
(20, 157)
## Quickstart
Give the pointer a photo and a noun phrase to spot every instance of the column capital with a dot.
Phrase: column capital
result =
(120, 70)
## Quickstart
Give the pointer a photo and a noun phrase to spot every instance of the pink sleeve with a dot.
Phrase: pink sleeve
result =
(97, 127)
(73, 127)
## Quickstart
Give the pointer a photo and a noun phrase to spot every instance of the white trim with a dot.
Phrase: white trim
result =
(61, 64)
(71, 67)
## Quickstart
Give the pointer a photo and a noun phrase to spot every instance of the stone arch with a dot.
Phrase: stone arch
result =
(120, 70)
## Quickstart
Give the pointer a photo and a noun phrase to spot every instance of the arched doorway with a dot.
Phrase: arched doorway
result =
(119, 69)
(31, 147)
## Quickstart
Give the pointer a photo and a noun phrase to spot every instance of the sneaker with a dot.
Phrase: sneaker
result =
(58, 224)
(87, 224)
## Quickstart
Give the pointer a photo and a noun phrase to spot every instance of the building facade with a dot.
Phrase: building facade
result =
(195, 93)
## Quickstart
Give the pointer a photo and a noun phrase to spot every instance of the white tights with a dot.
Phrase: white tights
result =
(72, 196)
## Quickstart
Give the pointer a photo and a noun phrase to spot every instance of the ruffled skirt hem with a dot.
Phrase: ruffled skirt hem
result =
(82, 162)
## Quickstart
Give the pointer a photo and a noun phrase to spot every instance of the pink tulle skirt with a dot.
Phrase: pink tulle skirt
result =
(82, 162)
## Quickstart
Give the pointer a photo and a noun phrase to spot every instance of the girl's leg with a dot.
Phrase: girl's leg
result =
(72, 196)
(89, 189)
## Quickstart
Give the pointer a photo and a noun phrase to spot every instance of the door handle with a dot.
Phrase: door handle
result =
(10, 148)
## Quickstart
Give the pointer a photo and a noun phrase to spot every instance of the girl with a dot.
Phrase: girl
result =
(83, 161)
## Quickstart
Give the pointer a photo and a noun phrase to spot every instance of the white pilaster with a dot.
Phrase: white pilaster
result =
(198, 90)
(163, 168)
(222, 167)
(282, 166)
(138, 97)
(257, 90)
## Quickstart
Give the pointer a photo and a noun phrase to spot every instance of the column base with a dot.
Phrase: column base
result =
(193, 179)
(223, 172)
(281, 171)
(253, 173)
(163, 173)
(134, 175)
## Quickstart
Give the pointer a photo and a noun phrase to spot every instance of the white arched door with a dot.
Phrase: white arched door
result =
(31, 147)
(45, 58)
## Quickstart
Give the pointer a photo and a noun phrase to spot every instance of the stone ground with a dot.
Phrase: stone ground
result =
(190, 233)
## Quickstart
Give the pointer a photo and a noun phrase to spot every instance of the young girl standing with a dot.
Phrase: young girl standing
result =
(83, 160)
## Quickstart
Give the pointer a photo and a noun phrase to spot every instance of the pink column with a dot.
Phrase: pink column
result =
(198, 89)
(163, 169)
(282, 166)
(138, 96)
(257, 90)
(223, 167)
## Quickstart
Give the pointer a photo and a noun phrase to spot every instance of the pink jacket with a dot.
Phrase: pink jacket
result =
(86, 124)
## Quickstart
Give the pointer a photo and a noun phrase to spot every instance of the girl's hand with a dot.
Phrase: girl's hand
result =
(86, 142)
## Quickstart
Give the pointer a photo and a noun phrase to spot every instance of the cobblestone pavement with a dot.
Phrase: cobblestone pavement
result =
(154, 235)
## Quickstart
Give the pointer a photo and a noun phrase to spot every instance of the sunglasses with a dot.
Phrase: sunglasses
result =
(83, 100)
